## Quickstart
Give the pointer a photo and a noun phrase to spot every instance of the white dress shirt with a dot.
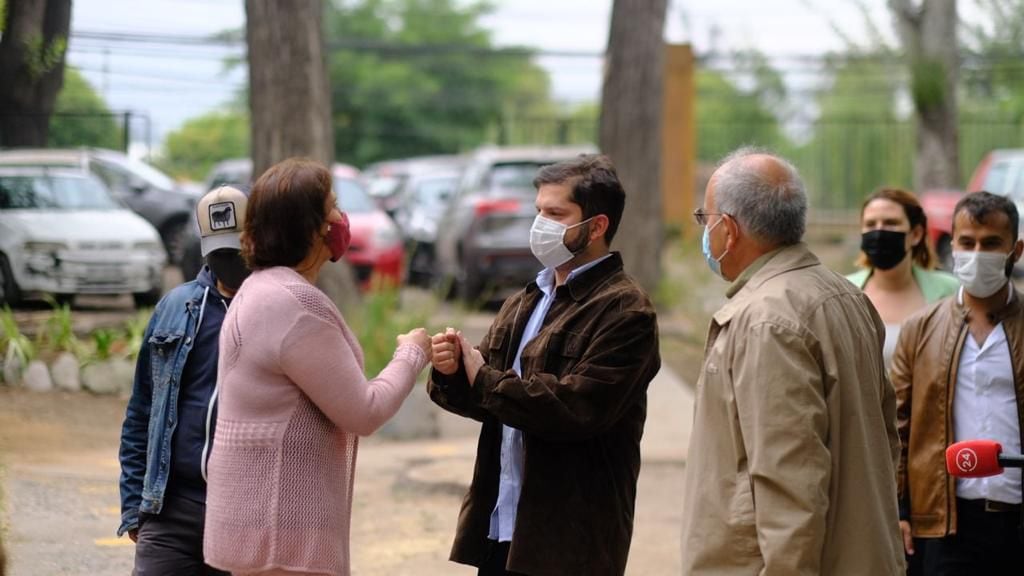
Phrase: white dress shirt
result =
(985, 407)
(513, 458)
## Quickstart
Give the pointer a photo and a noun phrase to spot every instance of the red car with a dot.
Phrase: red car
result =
(1000, 172)
(376, 252)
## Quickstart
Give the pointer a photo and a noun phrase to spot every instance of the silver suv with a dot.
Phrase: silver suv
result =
(483, 239)
(146, 190)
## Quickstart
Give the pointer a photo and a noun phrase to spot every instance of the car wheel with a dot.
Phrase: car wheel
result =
(944, 250)
(147, 299)
(175, 236)
(421, 266)
(192, 259)
(10, 295)
(468, 288)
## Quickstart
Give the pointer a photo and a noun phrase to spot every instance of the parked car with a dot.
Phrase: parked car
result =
(999, 172)
(61, 233)
(422, 203)
(149, 192)
(386, 180)
(483, 243)
(375, 253)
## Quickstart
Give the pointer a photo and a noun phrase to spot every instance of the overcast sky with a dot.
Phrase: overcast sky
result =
(172, 86)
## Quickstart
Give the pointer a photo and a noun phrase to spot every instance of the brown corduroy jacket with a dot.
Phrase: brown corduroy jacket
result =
(581, 404)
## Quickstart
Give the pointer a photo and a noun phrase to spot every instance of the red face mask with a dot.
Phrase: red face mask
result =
(338, 237)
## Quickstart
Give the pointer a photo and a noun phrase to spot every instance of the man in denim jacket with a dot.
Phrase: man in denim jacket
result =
(169, 424)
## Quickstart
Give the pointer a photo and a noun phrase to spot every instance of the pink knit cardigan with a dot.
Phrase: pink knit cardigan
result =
(292, 402)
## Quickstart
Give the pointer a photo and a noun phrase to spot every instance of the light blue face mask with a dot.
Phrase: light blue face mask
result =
(714, 263)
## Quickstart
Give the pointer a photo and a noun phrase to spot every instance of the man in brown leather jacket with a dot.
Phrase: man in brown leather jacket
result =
(560, 385)
(958, 371)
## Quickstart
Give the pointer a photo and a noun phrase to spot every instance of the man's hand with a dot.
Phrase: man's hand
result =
(134, 535)
(908, 539)
(471, 358)
(445, 353)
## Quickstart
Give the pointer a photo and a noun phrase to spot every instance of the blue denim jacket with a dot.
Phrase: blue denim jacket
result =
(152, 412)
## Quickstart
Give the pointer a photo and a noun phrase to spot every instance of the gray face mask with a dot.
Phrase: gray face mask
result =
(981, 274)
(228, 266)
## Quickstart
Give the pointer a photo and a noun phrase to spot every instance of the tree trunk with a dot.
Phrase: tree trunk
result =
(290, 102)
(289, 98)
(631, 105)
(928, 35)
(32, 54)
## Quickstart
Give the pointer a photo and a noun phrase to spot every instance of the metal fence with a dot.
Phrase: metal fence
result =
(842, 160)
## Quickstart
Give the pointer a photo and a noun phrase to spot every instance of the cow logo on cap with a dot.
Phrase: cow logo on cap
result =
(222, 216)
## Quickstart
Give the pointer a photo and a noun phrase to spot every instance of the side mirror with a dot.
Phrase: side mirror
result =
(137, 185)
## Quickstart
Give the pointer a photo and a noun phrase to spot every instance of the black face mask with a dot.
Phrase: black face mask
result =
(884, 248)
(228, 266)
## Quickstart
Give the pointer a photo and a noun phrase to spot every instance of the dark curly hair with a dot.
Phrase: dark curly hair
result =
(595, 187)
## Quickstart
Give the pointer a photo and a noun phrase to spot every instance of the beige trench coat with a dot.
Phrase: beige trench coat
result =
(792, 460)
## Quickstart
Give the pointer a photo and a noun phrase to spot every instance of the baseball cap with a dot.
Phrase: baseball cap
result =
(221, 213)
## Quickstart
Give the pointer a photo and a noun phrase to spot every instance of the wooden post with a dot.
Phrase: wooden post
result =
(679, 138)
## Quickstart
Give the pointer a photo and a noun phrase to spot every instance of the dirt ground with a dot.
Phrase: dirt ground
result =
(61, 505)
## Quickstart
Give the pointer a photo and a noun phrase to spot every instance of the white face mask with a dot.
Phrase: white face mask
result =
(982, 274)
(547, 241)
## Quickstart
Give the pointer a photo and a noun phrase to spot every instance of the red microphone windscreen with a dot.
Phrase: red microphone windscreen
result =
(974, 459)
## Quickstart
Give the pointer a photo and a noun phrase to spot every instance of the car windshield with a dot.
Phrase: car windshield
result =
(384, 185)
(53, 192)
(151, 175)
(435, 191)
(352, 198)
(512, 176)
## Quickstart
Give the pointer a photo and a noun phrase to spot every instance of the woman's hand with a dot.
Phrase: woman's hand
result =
(446, 354)
(417, 337)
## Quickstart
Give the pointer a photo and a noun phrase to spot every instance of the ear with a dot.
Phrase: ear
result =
(1018, 248)
(732, 230)
(599, 225)
(916, 235)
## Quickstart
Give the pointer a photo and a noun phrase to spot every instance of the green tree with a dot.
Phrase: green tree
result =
(82, 117)
(415, 77)
(729, 117)
(860, 142)
(190, 151)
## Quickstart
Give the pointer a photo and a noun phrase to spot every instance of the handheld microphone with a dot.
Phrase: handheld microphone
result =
(979, 458)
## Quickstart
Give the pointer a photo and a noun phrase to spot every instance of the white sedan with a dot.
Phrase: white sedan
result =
(61, 233)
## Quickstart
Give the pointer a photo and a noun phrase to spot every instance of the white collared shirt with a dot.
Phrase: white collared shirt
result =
(513, 457)
(985, 407)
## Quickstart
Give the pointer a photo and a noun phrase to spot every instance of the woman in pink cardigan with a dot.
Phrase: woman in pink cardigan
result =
(293, 399)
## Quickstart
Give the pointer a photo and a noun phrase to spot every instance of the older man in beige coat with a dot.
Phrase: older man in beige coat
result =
(792, 460)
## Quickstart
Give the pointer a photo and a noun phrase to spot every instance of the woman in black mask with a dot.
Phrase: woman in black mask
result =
(898, 264)
(898, 274)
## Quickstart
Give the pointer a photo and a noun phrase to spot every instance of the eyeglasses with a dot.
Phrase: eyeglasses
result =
(702, 217)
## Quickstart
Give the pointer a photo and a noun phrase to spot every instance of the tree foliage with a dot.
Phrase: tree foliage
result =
(443, 94)
(192, 150)
(730, 115)
(82, 117)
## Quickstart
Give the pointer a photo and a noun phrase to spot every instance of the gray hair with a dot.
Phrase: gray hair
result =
(770, 210)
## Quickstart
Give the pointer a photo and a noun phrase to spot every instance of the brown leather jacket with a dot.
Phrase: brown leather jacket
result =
(581, 404)
(924, 372)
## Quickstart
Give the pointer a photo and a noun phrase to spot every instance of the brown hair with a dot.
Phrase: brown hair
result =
(285, 210)
(922, 252)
